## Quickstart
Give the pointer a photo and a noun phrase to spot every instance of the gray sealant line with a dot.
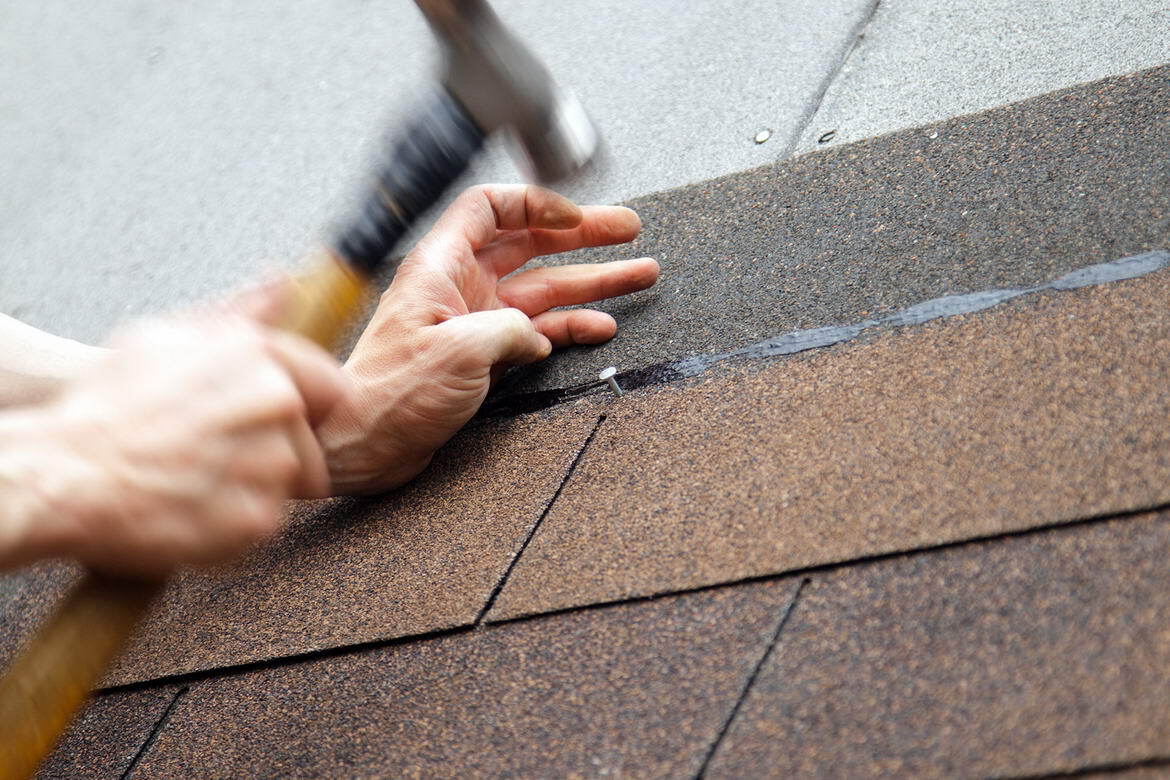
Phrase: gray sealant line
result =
(816, 338)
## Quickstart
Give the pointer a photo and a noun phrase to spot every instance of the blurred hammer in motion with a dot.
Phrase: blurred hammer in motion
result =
(490, 82)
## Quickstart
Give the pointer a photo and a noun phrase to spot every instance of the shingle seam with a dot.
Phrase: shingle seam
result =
(1110, 768)
(797, 341)
(852, 41)
(275, 662)
(495, 594)
(1058, 526)
(751, 678)
(152, 737)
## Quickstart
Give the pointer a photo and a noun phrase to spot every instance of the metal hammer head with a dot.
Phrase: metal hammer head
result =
(501, 85)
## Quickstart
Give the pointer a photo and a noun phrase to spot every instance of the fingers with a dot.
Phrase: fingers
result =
(264, 303)
(487, 338)
(317, 376)
(540, 289)
(479, 213)
(599, 226)
(576, 326)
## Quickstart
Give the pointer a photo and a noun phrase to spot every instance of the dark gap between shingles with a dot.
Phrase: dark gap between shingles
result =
(747, 686)
(1112, 768)
(797, 341)
(1060, 526)
(491, 600)
(153, 736)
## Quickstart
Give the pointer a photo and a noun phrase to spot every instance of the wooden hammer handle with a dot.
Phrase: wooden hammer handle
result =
(55, 672)
(51, 678)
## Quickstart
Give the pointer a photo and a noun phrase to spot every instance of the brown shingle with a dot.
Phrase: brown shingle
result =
(638, 689)
(422, 559)
(107, 734)
(1040, 653)
(1043, 410)
(27, 597)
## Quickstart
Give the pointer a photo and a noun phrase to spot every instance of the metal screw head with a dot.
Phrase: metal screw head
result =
(608, 376)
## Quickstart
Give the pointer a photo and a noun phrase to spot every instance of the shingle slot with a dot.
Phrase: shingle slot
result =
(535, 526)
(747, 685)
(153, 736)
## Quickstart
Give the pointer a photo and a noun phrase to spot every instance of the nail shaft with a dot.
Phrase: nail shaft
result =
(609, 376)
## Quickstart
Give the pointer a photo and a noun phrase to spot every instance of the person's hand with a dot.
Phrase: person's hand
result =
(451, 321)
(178, 447)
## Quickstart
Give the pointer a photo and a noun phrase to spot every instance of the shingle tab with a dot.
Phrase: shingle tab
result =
(1046, 409)
(638, 689)
(1042, 653)
(346, 571)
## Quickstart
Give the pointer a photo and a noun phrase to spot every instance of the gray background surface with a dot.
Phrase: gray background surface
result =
(157, 153)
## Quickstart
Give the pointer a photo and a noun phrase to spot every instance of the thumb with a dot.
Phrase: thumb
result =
(485, 338)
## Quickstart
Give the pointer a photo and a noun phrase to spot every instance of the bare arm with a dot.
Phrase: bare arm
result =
(34, 364)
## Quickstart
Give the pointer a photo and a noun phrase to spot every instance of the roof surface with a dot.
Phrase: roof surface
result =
(888, 494)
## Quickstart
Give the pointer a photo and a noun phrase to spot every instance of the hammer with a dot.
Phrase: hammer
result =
(490, 81)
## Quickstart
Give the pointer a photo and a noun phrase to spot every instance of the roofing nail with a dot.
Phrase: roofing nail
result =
(608, 376)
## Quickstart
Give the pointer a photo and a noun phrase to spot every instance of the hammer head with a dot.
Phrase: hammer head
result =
(501, 85)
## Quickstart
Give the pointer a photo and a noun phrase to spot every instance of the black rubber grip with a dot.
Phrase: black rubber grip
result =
(430, 154)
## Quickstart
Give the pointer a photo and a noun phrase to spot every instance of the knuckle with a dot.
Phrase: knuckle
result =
(477, 192)
(519, 324)
(281, 395)
(286, 465)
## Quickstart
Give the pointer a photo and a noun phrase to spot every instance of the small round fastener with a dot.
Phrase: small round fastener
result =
(609, 376)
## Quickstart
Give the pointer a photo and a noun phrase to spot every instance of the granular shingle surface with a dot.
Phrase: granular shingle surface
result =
(1046, 409)
(421, 559)
(1042, 653)
(634, 690)
(27, 597)
(1008, 197)
(107, 735)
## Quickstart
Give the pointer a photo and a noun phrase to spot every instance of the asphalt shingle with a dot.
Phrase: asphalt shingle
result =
(421, 559)
(347, 571)
(1043, 653)
(639, 689)
(1021, 415)
(106, 736)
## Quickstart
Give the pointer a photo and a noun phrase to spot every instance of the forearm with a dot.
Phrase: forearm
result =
(34, 364)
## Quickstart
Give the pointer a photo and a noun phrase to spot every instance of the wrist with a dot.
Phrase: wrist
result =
(41, 484)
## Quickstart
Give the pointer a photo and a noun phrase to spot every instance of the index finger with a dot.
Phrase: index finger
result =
(599, 226)
(477, 216)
